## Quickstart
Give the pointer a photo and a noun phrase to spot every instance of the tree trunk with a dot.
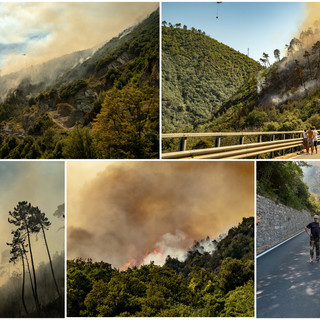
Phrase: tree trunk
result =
(23, 282)
(31, 282)
(33, 270)
(54, 278)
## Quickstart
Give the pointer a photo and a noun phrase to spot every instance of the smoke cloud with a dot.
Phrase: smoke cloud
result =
(32, 33)
(128, 209)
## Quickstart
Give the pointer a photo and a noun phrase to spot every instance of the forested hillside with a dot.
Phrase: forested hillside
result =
(283, 182)
(284, 96)
(104, 107)
(198, 75)
(217, 283)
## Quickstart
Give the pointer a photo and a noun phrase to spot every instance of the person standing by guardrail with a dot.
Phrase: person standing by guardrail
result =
(309, 135)
(305, 140)
(315, 139)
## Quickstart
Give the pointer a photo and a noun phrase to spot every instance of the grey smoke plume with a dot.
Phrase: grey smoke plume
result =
(132, 208)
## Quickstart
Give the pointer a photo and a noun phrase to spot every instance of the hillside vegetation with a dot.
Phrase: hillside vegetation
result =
(198, 75)
(205, 284)
(284, 96)
(283, 182)
(88, 111)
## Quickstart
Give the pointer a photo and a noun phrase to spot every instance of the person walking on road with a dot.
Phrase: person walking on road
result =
(314, 236)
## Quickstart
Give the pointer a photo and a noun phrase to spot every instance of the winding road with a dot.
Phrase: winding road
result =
(288, 285)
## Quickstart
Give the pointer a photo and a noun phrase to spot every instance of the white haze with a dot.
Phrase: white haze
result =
(173, 245)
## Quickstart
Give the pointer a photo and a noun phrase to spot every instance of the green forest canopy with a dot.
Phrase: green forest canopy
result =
(198, 75)
(209, 284)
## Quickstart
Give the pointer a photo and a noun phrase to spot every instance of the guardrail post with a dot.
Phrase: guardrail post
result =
(183, 144)
(283, 137)
(302, 145)
(241, 139)
(292, 136)
(259, 140)
(272, 139)
(217, 142)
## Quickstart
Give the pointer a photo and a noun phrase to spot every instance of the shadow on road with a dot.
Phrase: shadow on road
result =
(288, 285)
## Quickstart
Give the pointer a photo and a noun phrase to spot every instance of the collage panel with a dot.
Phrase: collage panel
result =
(79, 80)
(160, 238)
(32, 239)
(164, 238)
(240, 80)
(287, 239)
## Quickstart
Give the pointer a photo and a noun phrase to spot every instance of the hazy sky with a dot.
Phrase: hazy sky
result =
(41, 184)
(259, 26)
(33, 32)
(120, 210)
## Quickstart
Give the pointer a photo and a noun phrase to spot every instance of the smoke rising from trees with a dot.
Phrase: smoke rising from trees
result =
(32, 33)
(127, 208)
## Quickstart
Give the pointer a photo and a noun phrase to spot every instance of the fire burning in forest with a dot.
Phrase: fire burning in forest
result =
(139, 262)
(140, 212)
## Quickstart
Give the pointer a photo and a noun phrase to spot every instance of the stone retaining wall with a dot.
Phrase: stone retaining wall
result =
(277, 222)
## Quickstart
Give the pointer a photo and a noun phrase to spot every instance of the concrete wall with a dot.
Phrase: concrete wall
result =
(277, 222)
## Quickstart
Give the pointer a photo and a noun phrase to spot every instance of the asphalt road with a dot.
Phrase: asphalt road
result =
(308, 156)
(288, 285)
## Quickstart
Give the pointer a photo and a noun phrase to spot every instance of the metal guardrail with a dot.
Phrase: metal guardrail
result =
(238, 151)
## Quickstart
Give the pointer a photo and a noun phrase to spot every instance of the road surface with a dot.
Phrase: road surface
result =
(288, 285)
(308, 156)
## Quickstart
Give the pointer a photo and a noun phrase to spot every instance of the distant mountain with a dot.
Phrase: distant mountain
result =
(198, 75)
(74, 101)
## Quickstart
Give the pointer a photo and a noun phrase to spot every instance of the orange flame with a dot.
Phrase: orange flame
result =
(132, 262)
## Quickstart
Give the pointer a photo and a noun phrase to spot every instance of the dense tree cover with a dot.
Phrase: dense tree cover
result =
(283, 182)
(198, 75)
(58, 123)
(205, 284)
(127, 126)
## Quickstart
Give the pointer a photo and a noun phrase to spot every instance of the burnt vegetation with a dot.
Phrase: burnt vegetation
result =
(213, 284)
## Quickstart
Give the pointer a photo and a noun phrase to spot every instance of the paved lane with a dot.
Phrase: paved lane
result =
(288, 285)
(308, 156)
